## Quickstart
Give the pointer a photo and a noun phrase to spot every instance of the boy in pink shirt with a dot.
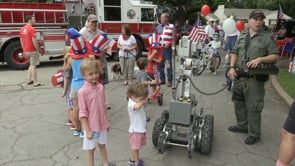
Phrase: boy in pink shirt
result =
(92, 111)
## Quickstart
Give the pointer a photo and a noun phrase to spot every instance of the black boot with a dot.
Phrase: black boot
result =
(252, 140)
(237, 129)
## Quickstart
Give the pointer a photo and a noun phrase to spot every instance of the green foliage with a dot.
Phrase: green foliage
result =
(193, 7)
(286, 81)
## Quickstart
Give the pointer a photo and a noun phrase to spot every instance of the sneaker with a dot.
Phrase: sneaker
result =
(139, 164)
(110, 164)
(214, 73)
(108, 107)
(131, 162)
(69, 122)
(76, 132)
(73, 127)
(81, 135)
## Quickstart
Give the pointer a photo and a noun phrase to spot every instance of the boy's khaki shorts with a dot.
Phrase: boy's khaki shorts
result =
(34, 58)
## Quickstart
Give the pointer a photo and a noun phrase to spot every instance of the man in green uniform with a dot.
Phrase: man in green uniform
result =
(254, 46)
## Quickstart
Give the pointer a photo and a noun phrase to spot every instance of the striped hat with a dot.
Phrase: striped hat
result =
(80, 48)
(99, 42)
(154, 40)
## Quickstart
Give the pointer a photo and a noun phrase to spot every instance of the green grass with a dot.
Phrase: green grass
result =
(287, 81)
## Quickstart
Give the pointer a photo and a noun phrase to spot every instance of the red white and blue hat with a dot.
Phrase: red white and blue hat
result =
(154, 40)
(80, 48)
(99, 42)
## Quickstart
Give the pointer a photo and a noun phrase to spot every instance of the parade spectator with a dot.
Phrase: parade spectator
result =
(137, 97)
(210, 29)
(186, 28)
(248, 91)
(127, 53)
(68, 75)
(92, 111)
(74, 63)
(31, 49)
(215, 44)
(286, 149)
(281, 33)
(293, 31)
(230, 40)
(166, 31)
(89, 32)
(142, 76)
(178, 30)
(154, 57)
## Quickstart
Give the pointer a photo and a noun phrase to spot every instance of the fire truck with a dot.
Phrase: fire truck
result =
(51, 26)
(53, 19)
(139, 14)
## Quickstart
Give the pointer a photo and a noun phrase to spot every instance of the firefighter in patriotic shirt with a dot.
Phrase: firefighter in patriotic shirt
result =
(166, 31)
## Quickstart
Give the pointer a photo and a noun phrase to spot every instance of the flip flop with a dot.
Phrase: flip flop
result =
(39, 84)
(30, 82)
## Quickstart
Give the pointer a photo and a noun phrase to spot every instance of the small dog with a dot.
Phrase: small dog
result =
(116, 71)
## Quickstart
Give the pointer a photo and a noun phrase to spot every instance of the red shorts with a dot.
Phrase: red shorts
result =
(137, 140)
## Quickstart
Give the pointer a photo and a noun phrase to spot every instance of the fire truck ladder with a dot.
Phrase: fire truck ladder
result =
(16, 13)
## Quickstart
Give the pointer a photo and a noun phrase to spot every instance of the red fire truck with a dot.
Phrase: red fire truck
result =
(139, 14)
(50, 28)
(53, 19)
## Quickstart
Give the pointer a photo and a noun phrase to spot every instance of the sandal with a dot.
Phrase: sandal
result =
(39, 84)
(30, 82)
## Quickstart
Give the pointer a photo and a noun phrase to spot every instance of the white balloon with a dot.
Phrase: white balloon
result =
(229, 26)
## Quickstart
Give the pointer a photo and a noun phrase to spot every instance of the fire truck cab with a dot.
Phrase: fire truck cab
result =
(53, 19)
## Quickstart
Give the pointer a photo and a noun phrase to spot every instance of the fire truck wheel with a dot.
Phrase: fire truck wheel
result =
(115, 56)
(14, 57)
(157, 129)
(140, 47)
(207, 135)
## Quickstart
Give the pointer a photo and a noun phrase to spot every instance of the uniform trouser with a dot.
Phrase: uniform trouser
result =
(104, 76)
(127, 64)
(167, 61)
(248, 98)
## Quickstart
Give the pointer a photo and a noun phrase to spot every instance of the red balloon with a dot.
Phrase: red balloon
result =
(205, 10)
(240, 25)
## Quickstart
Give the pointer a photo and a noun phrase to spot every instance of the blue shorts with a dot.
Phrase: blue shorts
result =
(69, 101)
(230, 42)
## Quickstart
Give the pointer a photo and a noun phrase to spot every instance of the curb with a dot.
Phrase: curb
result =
(284, 95)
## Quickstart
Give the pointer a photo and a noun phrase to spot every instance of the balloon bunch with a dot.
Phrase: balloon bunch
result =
(229, 25)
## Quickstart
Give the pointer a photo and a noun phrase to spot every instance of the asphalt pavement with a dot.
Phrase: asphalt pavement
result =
(34, 132)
